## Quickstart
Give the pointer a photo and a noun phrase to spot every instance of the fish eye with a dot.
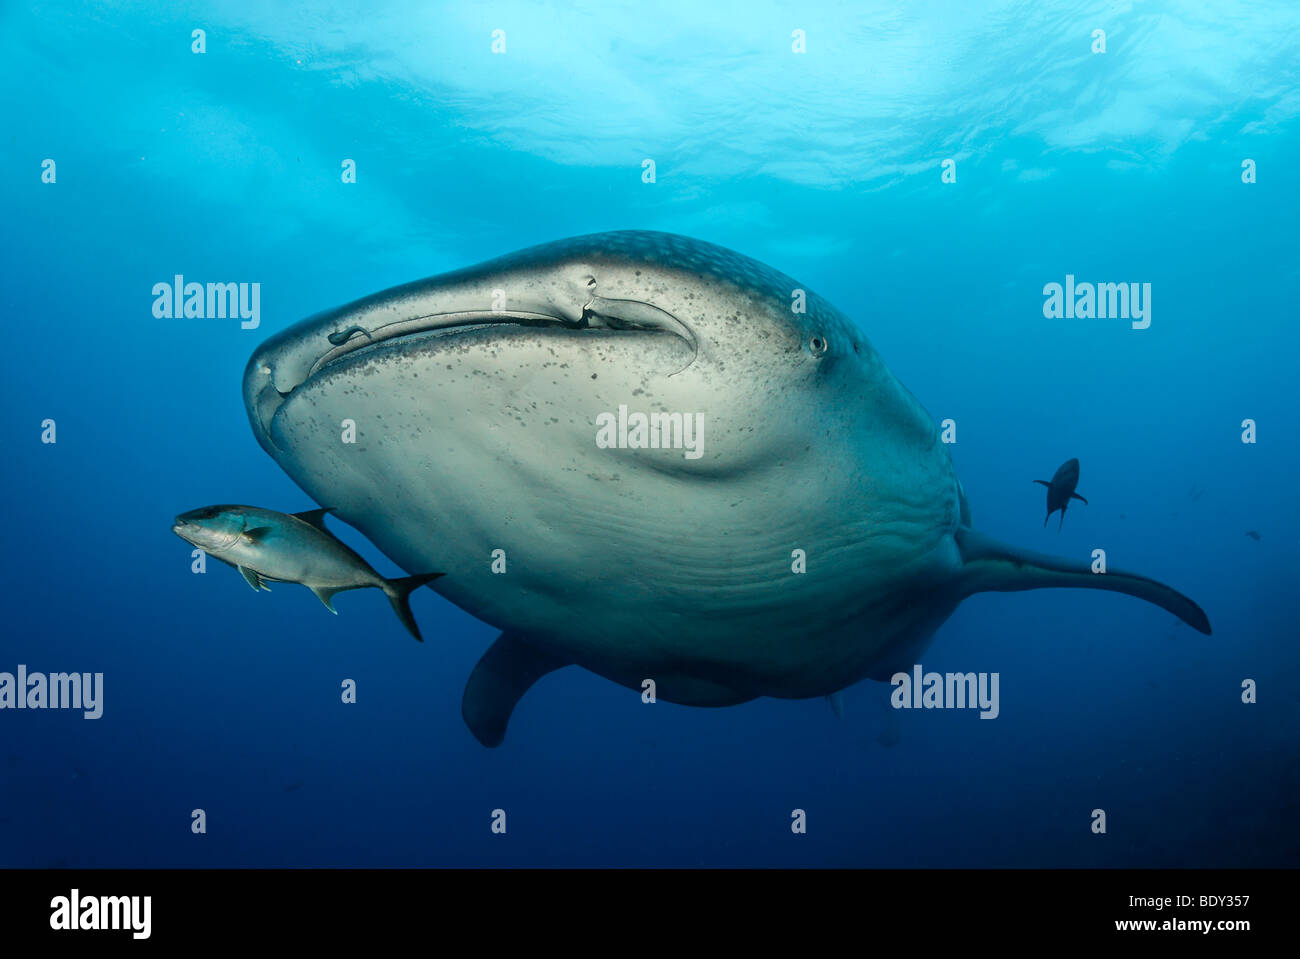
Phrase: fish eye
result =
(818, 345)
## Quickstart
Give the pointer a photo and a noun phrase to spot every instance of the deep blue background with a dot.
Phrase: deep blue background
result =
(225, 166)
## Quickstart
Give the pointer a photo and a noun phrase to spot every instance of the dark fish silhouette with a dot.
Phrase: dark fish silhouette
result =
(1253, 535)
(1061, 490)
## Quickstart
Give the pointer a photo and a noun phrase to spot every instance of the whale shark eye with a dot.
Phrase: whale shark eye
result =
(818, 345)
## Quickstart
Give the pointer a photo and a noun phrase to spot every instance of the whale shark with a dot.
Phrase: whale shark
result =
(817, 536)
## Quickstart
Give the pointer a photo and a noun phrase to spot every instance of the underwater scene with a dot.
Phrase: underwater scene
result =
(615, 434)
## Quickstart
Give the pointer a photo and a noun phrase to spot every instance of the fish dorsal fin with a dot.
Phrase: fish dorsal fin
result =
(507, 670)
(316, 517)
(326, 595)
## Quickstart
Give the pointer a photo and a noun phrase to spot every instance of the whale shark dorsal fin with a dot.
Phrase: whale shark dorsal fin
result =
(316, 517)
(507, 670)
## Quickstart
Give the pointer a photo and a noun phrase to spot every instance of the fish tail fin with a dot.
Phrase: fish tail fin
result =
(399, 593)
(991, 566)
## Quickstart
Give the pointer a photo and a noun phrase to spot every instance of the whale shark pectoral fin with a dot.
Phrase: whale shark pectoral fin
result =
(507, 670)
(1043, 483)
(251, 577)
(991, 566)
(1079, 498)
(316, 517)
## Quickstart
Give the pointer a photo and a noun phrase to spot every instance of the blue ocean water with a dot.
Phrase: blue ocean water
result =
(1127, 165)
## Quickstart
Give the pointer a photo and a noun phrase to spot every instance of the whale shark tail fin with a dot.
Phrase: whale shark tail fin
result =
(992, 566)
(399, 592)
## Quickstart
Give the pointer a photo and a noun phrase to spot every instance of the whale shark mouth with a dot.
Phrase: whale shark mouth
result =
(283, 372)
(599, 313)
(357, 339)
